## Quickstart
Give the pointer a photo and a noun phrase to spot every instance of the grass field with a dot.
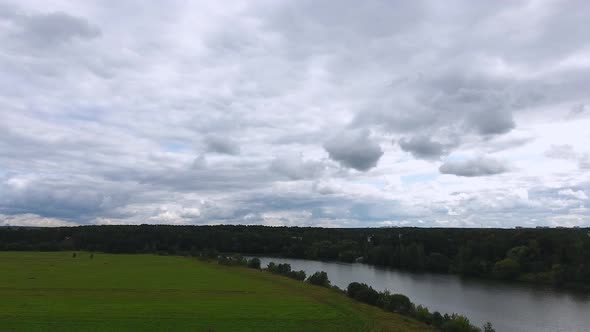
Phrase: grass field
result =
(55, 292)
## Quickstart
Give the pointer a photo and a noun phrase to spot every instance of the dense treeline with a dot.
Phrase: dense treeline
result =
(561, 256)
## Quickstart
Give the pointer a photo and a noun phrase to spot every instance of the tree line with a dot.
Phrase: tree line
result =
(559, 256)
(397, 303)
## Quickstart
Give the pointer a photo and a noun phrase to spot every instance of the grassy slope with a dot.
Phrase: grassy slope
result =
(53, 291)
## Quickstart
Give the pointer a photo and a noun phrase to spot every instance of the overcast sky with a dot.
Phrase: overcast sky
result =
(298, 113)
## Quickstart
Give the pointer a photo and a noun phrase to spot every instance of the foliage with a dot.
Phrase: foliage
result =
(437, 319)
(319, 278)
(561, 256)
(254, 263)
(363, 293)
(487, 327)
(423, 314)
(401, 304)
(506, 268)
(458, 323)
(285, 270)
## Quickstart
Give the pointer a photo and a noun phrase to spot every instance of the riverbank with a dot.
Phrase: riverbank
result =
(511, 307)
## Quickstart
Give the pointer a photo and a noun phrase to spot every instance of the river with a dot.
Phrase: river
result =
(510, 307)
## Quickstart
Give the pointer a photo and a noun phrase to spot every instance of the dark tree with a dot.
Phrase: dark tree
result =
(487, 327)
(319, 278)
(254, 263)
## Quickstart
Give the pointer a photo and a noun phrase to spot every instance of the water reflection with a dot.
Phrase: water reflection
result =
(511, 307)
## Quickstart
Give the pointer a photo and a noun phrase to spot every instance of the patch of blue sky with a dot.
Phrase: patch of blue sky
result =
(419, 177)
(175, 147)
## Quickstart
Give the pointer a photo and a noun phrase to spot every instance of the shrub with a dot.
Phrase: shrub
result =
(400, 303)
(285, 270)
(422, 314)
(297, 275)
(254, 263)
(437, 319)
(458, 323)
(319, 278)
(363, 293)
(507, 268)
(487, 327)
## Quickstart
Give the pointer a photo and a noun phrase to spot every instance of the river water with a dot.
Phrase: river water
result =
(510, 307)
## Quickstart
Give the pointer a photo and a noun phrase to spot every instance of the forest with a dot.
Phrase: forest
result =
(559, 256)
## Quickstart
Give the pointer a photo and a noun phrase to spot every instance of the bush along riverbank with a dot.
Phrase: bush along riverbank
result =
(397, 303)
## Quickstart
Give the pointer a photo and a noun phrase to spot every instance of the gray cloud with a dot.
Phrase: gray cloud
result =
(295, 168)
(422, 147)
(47, 30)
(584, 162)
(60, 198)
(200, 162)
(354, 149)
(480, 166)
(223, 145)
(173, 113)
(578, 110)
(492, 123)
(565, 152)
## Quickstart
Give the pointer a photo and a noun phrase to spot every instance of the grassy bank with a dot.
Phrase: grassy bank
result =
(54, 291)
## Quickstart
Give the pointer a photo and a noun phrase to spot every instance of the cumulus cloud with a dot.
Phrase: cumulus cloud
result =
(295, 168)
(354, 149)
(565, 152)
(47, 30)
(578, 110)
(256, 113)
(579, 194)
(32, 220)
(422, 147)
(223, 145)
(492, 123)
(200, 162)
(60, 198)
(479, 166)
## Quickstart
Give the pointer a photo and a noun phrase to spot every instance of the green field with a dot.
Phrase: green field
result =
(55, 292)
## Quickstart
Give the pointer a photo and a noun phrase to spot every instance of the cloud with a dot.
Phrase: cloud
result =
(59, 198)
(198, 114)
(295, 168)
(354, 149)
(48, 30)
(200, 162)
(577, 111)
(480, 166)
(564, 152)
(579, 194)
(223, 145)
(32, 220)
(492, 123)
(422, 147)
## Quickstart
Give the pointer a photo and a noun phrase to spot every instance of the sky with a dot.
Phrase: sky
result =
(297, 113)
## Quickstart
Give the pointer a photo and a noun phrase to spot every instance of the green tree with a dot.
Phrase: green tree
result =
(487, 327)
(254, 263)
(458, 323)
(422, 314)
(319, 278)
(506, 268)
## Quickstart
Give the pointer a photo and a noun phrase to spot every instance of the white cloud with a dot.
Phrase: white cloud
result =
(579, 194)
(284, 113)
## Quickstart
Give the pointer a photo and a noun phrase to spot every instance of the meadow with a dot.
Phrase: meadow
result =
(53, 291)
